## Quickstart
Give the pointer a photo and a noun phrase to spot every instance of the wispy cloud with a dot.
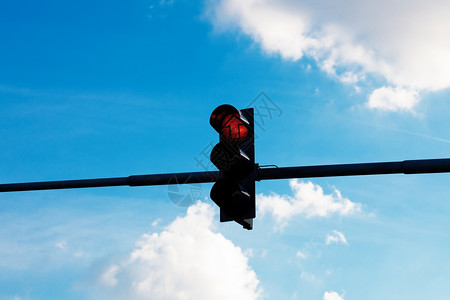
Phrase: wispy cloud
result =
(300, 254)
(336, 238)
(61, 245)
(56, 235)
(418, 134)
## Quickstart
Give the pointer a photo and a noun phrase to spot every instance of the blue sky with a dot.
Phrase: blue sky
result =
(119, 88)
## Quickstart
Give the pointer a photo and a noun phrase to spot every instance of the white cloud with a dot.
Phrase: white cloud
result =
(393, 99)
(108, 277)
(61, 245)
(277, 29)
(301, 254)
(404, 43)
(188, 260)
(336, 238)
(264, 253)
(308, 200)
(332, 296)
(156, 222)
(248, 252)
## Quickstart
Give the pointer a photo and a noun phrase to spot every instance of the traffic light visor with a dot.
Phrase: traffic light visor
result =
(228, 157)
(229, 196)
(228, 121)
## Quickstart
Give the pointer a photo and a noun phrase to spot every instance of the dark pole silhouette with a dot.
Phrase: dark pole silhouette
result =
(420, 166)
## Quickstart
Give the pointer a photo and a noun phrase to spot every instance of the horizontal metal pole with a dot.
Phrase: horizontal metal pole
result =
(405, 167)
(173, 178)
(135, 180)
(419, 166)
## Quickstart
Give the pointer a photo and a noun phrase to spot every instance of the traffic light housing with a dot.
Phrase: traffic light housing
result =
(234, 156)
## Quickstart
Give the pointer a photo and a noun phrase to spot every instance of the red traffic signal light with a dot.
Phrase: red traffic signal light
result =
(229, 123)
(234, 156)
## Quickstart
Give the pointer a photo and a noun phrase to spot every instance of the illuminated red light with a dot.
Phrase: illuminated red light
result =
(233, 128)
(227, 121)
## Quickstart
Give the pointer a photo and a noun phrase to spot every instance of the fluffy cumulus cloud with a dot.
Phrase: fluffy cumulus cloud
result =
(187, 260)
(308, 200)
(387, 98)
(403, 44)
(332, 296)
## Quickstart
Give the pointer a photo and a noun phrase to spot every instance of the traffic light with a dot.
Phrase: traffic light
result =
(234, 156)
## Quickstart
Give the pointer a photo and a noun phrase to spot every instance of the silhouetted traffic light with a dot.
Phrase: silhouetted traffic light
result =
(234, 156)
